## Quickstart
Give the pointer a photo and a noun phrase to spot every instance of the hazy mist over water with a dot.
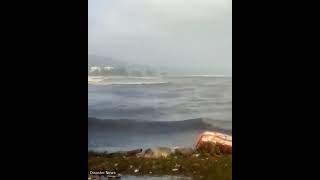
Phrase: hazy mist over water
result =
(192, 35)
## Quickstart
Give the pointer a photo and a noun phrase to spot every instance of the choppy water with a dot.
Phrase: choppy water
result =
(205, 99)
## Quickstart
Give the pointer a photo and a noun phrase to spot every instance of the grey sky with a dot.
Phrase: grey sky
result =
(188, 34)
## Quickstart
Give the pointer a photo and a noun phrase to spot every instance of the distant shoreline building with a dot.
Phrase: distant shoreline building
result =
(119, 71)
(108, 68)
(95, 69)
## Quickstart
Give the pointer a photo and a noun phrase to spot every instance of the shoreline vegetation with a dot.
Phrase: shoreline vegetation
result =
(207, 162)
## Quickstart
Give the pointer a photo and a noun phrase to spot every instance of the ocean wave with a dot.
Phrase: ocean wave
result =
(156, 127)
(126, 134)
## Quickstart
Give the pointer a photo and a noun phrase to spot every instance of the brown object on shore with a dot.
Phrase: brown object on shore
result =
(125, 153)
(214, 142)
(225, 149)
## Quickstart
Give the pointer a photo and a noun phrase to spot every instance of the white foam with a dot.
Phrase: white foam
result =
(205, 75)
(120, 80)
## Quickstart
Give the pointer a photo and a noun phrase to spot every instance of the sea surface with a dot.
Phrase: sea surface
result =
(141, 112)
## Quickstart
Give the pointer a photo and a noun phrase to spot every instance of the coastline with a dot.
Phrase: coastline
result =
(198, 165)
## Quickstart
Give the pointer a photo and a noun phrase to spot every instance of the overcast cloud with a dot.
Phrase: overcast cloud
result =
(192, 34)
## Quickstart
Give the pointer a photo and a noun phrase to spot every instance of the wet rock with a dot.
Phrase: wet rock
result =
(157, 152)
(125, 153)
(207, 147)
(183, 151)
(214, 148)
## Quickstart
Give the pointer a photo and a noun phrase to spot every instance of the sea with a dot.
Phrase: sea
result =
(126, 113)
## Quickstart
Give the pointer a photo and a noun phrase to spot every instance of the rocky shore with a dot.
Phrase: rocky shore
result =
(205, 162)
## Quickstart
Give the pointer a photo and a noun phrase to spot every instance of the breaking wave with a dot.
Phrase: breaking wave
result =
(125, 134)
(101, 80)
(155, 127)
